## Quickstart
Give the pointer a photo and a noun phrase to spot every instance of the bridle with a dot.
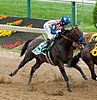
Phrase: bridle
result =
(66, 38)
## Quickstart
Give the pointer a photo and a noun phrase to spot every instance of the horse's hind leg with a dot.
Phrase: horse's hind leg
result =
(33, 68)
(80, 70)
(26, 59)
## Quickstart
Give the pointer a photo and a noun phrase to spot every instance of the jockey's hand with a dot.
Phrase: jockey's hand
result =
(58, 31)
(81, 38)
(48, 40)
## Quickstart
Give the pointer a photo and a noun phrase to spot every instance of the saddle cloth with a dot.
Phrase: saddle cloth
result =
(94, 37)
(39, 48)
(94, 50)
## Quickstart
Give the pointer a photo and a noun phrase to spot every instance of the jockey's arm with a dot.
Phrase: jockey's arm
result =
(54, 31)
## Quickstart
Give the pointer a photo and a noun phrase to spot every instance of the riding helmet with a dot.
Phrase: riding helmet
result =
(65, 20)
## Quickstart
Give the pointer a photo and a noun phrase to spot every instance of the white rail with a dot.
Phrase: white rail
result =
(78, 1)
(22, 29)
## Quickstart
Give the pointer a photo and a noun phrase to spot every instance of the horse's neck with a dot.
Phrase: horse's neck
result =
(64, 48)
(65, 43)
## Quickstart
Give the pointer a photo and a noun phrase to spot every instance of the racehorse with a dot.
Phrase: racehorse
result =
(89, 56)
(60, 53)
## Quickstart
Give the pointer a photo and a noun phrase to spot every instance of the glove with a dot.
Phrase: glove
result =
(58, 31)
(81, 38)
(53, 32)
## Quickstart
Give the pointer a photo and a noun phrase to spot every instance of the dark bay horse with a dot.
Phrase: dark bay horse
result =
(89, 56)
(60, 53)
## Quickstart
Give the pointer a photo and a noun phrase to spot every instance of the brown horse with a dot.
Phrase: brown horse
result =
(89, 56)
(89, 36)
(60, 53)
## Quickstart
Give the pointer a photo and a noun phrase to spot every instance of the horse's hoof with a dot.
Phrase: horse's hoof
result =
(86, 78)
(70, 90)
(96, 78)
(10, 74)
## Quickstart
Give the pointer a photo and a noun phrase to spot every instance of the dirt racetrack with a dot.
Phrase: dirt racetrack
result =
(47, 82)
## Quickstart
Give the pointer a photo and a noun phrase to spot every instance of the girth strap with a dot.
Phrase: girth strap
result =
(48, 54)
(49, 58)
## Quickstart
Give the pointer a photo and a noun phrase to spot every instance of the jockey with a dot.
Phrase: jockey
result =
(53, 27)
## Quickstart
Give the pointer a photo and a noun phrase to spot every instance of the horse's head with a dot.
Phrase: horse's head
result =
(76, 35)
(73, 35)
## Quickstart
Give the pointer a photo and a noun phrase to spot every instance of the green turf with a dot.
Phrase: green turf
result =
(48, 10)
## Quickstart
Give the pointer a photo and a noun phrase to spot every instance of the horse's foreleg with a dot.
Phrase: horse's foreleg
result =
(34, 67)
(23, 62)
(62, 70)
(89, 61)
(91, 68)
(80, 70)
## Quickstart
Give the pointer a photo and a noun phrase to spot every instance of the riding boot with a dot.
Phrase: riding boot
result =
(46, 47)
(73, 61)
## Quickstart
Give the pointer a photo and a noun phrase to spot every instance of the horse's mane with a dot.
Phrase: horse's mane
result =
(66, 32)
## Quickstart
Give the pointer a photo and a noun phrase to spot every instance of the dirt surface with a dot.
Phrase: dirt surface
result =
(47, 82)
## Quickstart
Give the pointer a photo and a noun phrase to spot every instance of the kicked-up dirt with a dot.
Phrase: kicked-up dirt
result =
(47, 82)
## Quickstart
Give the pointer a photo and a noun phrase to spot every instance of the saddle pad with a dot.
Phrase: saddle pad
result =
(38, 49)
(94, 50)
(94, 37)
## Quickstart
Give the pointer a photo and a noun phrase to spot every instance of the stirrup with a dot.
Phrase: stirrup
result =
(44, 49)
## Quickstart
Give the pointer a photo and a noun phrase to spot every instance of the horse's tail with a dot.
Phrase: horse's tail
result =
(25, 47)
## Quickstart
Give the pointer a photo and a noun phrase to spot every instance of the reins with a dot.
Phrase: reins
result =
(66, 38)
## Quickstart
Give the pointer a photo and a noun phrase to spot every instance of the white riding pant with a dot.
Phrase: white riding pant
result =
(48, 31)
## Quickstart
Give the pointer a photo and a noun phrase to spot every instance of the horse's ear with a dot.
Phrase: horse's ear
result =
(73, 27)
(76, 26)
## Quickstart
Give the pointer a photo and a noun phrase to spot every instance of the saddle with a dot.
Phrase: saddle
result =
(42, 48)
